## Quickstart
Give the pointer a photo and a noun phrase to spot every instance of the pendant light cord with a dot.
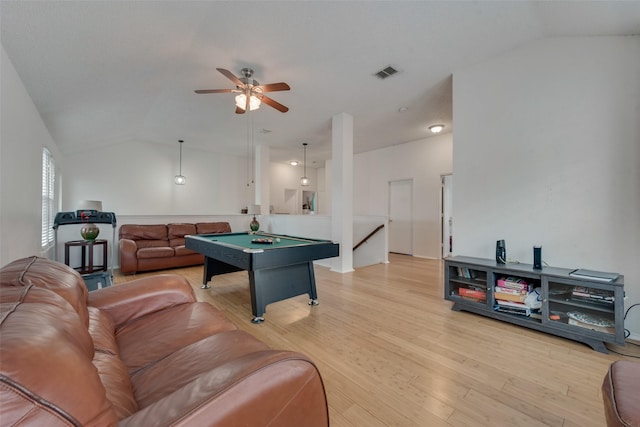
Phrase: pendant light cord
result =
(181, 141)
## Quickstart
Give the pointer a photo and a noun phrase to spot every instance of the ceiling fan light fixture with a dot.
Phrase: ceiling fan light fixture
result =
(241, 102)
(436, 128)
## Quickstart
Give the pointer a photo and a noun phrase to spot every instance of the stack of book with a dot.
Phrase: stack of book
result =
(593, 296)
(473, 293)
(510, 293)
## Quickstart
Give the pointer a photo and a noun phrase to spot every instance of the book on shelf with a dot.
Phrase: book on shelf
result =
(473, 293)
(510, 291)
(466, 273)
(602, 276)
(512, 307)
(515, 283)
(509, 296)
(594, 296)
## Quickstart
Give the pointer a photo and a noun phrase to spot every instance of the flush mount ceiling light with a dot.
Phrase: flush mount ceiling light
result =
(436, 128)
(180, 179)
(304, 181)
(293, 163)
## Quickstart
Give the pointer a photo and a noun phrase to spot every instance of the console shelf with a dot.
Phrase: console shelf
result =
(583, 310)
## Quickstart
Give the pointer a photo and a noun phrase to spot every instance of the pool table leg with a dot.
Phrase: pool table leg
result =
(313, 294)
(277, 284)
(213, 267)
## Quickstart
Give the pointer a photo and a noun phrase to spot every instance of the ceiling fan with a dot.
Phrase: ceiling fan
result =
(250, 92)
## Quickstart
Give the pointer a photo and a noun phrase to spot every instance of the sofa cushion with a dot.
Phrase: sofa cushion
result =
(161, 252)
(183, 251)
(44, 273)
(144, 244)
(46, 374)
(176, 233)
(213, 227)
(150, 338)
(143, 232)
(113, 373)
(188, 363)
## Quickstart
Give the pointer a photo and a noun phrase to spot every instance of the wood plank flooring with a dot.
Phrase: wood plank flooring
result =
(392, 352)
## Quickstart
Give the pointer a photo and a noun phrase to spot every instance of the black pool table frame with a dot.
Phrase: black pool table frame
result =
(275, 274)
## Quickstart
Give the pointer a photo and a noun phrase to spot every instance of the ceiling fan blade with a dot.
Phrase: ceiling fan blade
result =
(274, 104)
(274, 87)
(228, 74)
(239, 110)
(214, 90)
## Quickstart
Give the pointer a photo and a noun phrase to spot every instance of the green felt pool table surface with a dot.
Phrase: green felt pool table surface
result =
(245, 240)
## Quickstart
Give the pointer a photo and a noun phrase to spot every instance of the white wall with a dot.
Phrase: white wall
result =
(22, 136)
(423, 161)
(136, 178)
(547, 151)
(285, 176)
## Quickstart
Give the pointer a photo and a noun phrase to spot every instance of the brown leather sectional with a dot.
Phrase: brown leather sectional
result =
(144, 353)
(161, 246)
(621, 394)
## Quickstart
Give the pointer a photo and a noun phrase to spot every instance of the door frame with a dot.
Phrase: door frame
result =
(446, 241)
(410, 210)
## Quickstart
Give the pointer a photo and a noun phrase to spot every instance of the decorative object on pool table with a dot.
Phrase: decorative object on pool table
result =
(250, 92)
(254, 210)
(279, 270)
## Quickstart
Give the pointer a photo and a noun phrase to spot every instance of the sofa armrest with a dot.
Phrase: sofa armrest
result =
(272, 387)
(140, 297)
(128, 256)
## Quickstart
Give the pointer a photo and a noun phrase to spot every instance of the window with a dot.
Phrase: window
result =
(48, 197)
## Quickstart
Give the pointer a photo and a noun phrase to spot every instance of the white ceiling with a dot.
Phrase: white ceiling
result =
(104, 72)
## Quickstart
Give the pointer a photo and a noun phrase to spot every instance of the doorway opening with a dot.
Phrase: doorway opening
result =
(401, 216)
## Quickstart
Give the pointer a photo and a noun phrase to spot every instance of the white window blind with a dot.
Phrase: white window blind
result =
(48, 197)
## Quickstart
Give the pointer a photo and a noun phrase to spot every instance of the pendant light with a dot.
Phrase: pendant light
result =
(304, 181)
(180, 179)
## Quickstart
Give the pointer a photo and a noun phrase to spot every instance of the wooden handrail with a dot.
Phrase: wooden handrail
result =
(380, 227)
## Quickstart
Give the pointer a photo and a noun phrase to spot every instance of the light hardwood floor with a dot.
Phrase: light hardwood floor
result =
(392, 352)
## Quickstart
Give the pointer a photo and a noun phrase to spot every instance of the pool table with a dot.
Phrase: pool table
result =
(279, 266)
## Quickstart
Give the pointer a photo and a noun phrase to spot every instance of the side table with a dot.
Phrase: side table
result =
(87, 246)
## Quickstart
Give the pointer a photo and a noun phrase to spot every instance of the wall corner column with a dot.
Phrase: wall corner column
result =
(342, 190)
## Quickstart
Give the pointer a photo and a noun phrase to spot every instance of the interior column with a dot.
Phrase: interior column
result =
(342, 190)
(262, 161)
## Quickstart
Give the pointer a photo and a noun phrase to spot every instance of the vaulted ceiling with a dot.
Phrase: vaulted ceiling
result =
(105, 72)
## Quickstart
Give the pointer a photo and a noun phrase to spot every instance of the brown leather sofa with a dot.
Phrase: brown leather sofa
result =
(621, 394)
(143, 353)
(161, 246)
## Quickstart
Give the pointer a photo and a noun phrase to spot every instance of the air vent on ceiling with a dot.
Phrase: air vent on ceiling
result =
(386, 72)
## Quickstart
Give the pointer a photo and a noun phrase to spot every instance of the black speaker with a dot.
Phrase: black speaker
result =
(537, 257)
(501, 252)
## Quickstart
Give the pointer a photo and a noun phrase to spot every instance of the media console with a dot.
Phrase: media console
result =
(580, 309)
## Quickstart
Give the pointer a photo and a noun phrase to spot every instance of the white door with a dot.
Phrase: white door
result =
(400, 218)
